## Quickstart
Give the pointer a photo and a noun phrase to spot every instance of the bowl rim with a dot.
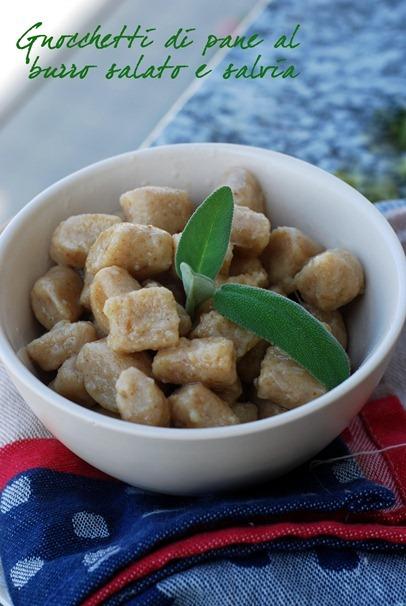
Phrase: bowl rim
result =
(16, 367)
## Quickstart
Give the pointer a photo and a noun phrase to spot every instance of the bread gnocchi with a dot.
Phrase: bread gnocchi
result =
(119, 339)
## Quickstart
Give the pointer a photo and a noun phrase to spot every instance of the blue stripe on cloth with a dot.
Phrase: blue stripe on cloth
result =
(62, 535)
(302, 579)
(304, 572)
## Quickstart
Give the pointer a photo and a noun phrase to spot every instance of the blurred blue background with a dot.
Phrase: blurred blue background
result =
(346, 112)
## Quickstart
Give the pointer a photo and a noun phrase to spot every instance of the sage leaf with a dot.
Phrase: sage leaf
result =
(204, 241)
(287, 325)
(198, 288)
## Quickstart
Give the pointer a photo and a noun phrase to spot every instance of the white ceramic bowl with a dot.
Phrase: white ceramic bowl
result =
(193, 461)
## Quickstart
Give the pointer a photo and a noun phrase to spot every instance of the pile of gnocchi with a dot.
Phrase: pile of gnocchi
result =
(118, 338)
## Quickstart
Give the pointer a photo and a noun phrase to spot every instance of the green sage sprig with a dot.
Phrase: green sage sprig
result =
(288, 325)
(277, 319)
(205, 239)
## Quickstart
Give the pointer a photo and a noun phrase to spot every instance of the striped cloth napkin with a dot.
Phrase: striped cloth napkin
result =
(332, 532)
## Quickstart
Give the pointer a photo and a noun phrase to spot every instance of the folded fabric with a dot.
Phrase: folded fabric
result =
(71, 535)
(333, 532)
(327, 574)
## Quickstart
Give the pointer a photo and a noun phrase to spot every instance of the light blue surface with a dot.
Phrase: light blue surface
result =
(352, 63)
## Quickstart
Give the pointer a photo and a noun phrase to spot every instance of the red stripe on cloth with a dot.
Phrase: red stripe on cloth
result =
(218, 539)
(375, 468)
(389, 429)
(385, 422)
(42, 453)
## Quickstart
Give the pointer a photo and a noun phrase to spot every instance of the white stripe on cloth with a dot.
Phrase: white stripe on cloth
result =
(5, 599)
(394, 380)
(16, 419)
